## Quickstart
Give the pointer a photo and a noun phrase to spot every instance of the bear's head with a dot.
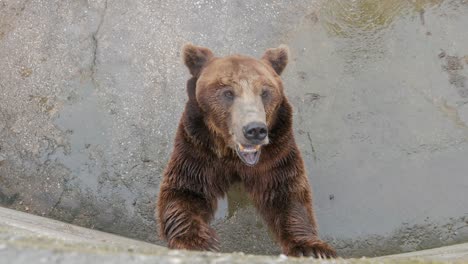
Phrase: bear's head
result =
(238, 95)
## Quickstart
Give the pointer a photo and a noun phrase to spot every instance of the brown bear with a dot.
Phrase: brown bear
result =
(237, 126)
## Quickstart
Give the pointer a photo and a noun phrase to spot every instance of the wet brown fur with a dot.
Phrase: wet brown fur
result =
(203, 165)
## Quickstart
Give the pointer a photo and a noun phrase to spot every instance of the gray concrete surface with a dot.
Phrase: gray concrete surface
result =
(91, 93)
(26, 238)
(447, 253)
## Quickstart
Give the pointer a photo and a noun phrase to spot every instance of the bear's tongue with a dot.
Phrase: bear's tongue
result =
(250, 158)
(248, 154)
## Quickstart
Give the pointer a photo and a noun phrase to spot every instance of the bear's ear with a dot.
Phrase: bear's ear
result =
(195, 58)
(277, 58)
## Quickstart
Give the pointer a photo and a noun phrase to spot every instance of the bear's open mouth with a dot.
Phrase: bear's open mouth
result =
(249, 154)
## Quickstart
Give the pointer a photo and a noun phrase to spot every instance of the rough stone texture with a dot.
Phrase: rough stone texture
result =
(26, 238)
(91, 93)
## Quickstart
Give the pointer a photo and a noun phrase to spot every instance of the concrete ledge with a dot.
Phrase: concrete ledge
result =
(26, 238)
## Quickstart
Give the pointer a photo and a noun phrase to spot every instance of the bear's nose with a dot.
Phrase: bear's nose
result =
(255, 132)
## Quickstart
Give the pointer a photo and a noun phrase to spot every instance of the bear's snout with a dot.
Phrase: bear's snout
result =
(255, 132)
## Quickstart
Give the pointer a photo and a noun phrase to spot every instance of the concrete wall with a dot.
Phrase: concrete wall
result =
(91, 93)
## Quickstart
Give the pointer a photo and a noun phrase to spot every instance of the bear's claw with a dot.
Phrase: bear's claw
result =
(205, 239)
(316, 249)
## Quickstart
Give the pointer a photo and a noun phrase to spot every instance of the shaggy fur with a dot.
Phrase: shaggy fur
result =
(203, 165)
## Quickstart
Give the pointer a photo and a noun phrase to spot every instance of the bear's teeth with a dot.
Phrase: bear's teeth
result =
(249, 154)
(249, 149)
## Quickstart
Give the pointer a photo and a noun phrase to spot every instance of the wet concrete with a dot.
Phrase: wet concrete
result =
(91, 93)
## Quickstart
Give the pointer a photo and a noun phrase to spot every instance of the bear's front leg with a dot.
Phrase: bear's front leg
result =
(287, 209)
(184, 218)
(298, 232)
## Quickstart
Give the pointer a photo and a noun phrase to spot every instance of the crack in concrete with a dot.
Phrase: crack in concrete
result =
(96, 46)
(314, 155)
(59, 200)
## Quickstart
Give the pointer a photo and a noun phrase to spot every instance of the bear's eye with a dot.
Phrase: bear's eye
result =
(228, 94)
(265, 94)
